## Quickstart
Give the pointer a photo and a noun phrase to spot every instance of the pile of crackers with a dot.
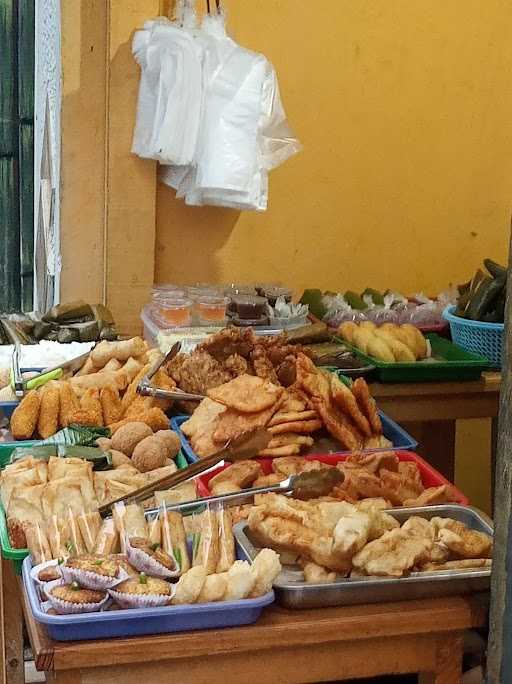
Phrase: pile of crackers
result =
(292, 415)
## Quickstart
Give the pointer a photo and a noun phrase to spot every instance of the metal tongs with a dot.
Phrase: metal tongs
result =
(244, 447)
(21, 386)
(146, 389)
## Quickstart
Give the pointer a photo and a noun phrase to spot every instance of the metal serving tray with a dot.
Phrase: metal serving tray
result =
(293, 592)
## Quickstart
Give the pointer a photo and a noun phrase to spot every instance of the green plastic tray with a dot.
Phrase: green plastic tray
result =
(18, 555)
(449, 363)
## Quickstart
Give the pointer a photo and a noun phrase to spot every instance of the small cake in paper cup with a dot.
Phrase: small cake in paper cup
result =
(49, 571)
(70, 598)
(93, 571)
(150, 558)
(142, 592)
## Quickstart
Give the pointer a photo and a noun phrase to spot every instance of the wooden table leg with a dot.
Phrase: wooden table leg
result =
(13, 625)
(436, 444)
(448, 662)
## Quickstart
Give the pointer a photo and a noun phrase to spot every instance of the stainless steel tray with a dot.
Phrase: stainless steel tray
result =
(293, 592)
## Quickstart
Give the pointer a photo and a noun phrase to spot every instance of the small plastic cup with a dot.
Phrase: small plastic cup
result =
(211, 310)
(175, 312)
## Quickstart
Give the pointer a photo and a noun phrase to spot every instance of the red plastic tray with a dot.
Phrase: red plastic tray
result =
(430, 477)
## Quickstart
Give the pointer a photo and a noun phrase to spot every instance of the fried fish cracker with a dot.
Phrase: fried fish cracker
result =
(339, 426)
(300, 426)
(110, 405)
(247, 394)
(343, 397)
(290, 438)
(285, 450)
(367, 404)
(69, 403)
(139, 405)
(233, 423)
(292, 416)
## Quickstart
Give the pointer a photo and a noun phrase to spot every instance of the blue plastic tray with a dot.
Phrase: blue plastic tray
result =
(136, 622)
(392, 431)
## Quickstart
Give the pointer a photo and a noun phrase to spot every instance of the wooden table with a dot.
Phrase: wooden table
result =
(326, 644)
(429, 411)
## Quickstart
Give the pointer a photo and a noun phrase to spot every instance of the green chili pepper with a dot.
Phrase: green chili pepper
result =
(75, 586)
(143, 578)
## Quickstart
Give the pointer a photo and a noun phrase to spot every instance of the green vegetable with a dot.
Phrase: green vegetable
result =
(98, 562)
(375, 295)
(60, 561)
(354, 300)
(314, 299)
(75, 586)
(143, 578)
(70, 547)
(155, 546)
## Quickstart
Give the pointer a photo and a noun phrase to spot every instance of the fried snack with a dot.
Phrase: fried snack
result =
(361, 337)
(392, 555)
(294, 465)
(162, 381)
(314, 383)
(131, 393)
(110, 405)
(432, 496)
(90, 403)
(460, 540)
(189, 585)
(302, 426)
(339, 426)
(87, 368)
(343, 397)
(113, 365)
(316, 574)
(227, 487)
(268, 480)
(266, 567)
(155, 418)
(290, 438)
(347, 330)
(380, 348)
(285, 450)
(291, 416)
(149, 454)
(232, 423)
(139, 405)
(107, 539)
(367, 404)
(213, 589)
(82, 383)
(240, 581)
(199, 428)
(421, 347)
(247, 394)
(25, 416)
(121, 351)
(242, 474)
(402, 353)
(48, 421)
(68, 403)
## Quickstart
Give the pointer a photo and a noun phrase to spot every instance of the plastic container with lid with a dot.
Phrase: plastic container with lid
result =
(173, 312)
(168, 289)
(273, 293)
(249, 310)
(211, 309)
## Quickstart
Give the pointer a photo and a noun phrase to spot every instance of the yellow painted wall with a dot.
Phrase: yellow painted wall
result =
(404, 108)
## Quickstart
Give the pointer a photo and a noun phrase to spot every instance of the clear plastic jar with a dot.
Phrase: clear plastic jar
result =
(211, 309)
(250, 308)
(174, 312)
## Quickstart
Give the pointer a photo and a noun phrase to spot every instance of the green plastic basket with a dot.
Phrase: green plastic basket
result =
(449, 362)
(18, 555)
